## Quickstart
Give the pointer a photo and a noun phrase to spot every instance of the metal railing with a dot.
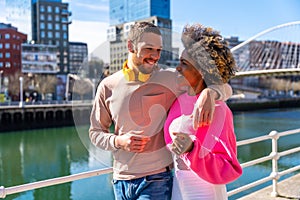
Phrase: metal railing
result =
(274, 156)
(274, 175)
(55, 181)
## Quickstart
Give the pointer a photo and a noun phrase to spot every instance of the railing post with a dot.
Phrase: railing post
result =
(275, 175)
(21, 104)
(2, 192)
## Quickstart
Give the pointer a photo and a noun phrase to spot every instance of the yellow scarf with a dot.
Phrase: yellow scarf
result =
(130, 76)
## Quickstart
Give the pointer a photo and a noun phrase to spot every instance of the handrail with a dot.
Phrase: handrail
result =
(274, 156)
(50, 182)
(274, 175)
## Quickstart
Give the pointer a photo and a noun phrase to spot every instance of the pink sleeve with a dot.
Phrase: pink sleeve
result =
(214, 156)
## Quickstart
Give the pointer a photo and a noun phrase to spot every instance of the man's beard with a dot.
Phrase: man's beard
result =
(143, 68)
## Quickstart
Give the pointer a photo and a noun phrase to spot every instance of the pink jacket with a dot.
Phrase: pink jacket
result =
(214, 155)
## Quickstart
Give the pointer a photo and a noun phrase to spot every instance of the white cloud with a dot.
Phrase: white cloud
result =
(3, 12)
(91, 7)
(90, 32)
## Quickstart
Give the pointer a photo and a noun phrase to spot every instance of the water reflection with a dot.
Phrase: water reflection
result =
(28, 156)
(43, 154)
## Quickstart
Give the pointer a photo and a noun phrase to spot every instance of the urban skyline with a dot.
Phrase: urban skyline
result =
(90, 19)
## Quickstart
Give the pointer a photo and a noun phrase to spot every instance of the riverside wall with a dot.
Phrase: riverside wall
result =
(237, 105)
(13, 118)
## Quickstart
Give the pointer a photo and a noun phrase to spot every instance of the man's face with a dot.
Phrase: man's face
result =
(147, 52)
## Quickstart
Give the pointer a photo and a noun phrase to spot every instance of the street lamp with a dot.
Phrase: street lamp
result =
(94, 88)
(67, 87)
(1, 72)
(21, 104)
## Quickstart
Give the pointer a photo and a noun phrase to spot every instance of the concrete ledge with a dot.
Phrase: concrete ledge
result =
(288, 189)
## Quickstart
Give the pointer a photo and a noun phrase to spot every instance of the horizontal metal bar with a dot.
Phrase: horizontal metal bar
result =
(253, 140)
(290, 170)
(289, 132)
(250, 185)
(50, 182)
(290, 151)
(257, 161)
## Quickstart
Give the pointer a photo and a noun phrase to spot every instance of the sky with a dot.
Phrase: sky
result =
(241, 18)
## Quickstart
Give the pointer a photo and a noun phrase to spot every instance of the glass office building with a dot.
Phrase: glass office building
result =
(50, 25)
(122, 11)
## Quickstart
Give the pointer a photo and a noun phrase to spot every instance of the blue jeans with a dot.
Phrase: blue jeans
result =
(155, 187)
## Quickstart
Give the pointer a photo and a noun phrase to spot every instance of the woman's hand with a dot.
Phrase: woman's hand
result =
(182, 143)
(204, 108)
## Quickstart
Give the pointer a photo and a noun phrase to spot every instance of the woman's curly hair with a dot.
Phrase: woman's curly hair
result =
(211, 53)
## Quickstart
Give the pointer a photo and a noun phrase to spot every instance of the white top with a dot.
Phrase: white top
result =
(189, 186)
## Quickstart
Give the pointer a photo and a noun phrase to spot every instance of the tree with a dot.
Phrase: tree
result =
(14, 85)
(95, 68)
(82, 86)
(45, 84)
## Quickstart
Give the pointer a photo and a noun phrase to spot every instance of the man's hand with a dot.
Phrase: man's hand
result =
(182, 143)
(204, 108)
(132, 141)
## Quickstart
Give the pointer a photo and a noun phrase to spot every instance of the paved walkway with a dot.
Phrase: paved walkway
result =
(287, 189)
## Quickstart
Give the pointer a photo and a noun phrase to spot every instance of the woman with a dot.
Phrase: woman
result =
(205, 159)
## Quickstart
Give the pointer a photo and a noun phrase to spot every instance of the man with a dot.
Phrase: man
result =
(136, 100)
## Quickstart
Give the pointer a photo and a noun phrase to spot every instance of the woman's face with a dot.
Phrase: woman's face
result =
(190, 74)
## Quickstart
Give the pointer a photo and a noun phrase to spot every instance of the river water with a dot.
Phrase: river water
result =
(29, 156)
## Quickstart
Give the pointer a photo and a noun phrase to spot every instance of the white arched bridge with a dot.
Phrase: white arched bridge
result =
(275, 51)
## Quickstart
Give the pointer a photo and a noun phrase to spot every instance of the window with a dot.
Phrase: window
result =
(50, 27)
(43, 34)
(42, 25)
(49, 9)
(57, 27)
(7, 55)
(57, 18)
(50, 35)
(1, 55)
(64, 27)
(42, 8)
(7, 45)
(6, 36)
(7, 64)
(65, 36)
(56, 9)
(1, 46)
(49, 17)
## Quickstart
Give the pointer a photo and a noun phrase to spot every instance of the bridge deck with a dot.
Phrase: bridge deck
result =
(288, 189)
